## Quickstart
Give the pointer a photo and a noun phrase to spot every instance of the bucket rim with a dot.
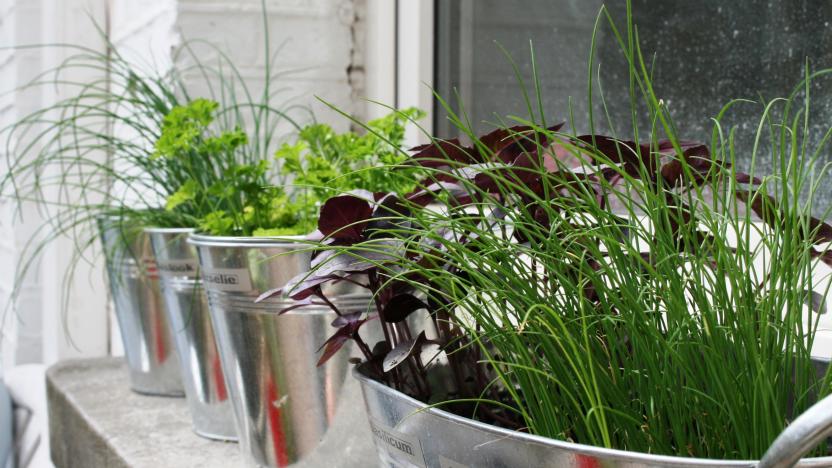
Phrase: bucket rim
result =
(206, 240)
(168, 230)
(263, 312)
(365, 380)
(351, 300)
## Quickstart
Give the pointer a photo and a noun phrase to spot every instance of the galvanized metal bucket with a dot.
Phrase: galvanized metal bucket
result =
(134, 285)
(187, 311)
(283, 404)
(408, 433)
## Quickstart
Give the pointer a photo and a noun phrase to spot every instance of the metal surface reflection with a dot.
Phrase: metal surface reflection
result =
(283, 403)
(187, 311)
(134, 285)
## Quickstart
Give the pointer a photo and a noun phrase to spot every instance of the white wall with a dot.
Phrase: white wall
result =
(313, 40)
(75, 325)
(7, 233)
(35, 330)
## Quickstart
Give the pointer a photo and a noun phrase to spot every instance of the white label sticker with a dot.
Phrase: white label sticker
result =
(227, 279)
(448, 463)
(177, 268)
(402, 449)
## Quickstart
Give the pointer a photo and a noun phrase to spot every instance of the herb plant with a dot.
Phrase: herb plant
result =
(218, 193)
(222, 196)
(322, 163)
(327, 163)
(91, 154)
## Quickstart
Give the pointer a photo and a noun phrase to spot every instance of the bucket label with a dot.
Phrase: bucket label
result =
(448, 463)
(227, 279)
(177, 268)
(397, 446)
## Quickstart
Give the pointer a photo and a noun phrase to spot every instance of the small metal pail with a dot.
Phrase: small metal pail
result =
(134, 285)
(187, 312)
(408, 433)
(283, 404)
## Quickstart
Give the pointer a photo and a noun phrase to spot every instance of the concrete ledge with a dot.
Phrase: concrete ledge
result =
(96, 421)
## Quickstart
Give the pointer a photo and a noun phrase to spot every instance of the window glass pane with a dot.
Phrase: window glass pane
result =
(706, 53)
(470, 34)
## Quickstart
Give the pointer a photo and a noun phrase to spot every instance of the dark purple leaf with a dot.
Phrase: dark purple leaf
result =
(744, 178)
(390, 215)
(300, 300)
(422, 197)
(816, 302)
(696, 151)
(305, 284)
(321, 256)
(332, 346)
(402, 351)
(300, 288)
(617, 151)
(268, 294)
(399, 307)
(825, 256)
(633, 157)
(501, 137)
(442, 152)
(673, 172)
(347, 319)
(397, 286)
(380, 350)
(301, 303)
(335, 342)
(556, 127)
(700, 168)
(338, 266)
(533, 160)
(698, 161)
(767, 208)
(506, 144)
(496, 179)
(503, 144)
(344, 217)
(665, 146)
(525, 171)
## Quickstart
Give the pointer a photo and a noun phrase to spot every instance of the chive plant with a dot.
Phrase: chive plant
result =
(96, 152)
(643, 295)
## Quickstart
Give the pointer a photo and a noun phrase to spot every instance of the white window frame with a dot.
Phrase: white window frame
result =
(399, 59)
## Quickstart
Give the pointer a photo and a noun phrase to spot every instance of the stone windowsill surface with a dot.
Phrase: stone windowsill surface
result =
(95, 420)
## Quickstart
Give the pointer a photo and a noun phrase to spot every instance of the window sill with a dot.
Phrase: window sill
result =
(95, 420)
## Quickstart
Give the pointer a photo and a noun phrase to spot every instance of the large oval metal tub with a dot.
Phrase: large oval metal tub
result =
(410, 434)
